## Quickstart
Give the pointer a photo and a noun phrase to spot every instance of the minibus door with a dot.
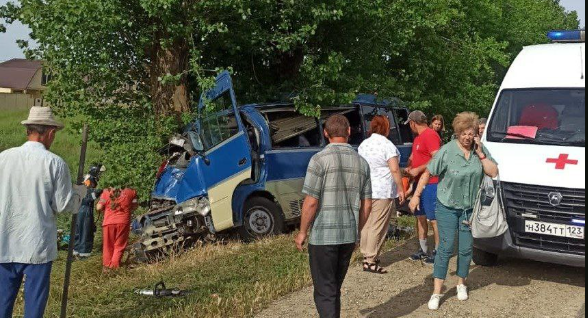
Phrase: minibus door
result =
(226, 160)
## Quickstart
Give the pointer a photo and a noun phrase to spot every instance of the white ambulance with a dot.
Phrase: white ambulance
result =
(537, 134)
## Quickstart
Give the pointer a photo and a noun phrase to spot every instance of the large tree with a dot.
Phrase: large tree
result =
(133, 68)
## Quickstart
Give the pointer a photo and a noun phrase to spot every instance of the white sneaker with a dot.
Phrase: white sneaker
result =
(462, 292)
(435, 302)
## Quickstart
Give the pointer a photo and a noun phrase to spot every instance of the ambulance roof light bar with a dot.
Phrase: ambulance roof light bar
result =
(567, 36)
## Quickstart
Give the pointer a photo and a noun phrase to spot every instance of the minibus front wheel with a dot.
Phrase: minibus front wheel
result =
(262, 218)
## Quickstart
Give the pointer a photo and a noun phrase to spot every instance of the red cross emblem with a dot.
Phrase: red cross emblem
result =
(562, 161)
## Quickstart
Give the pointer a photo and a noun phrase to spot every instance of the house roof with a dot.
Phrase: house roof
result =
(18, 73)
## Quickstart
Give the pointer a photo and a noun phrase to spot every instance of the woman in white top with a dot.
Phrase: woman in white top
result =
(384, 160)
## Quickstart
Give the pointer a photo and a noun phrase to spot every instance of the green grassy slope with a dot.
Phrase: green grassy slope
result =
(67, 144)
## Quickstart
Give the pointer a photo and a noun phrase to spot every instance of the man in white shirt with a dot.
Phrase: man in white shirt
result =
(35, 184)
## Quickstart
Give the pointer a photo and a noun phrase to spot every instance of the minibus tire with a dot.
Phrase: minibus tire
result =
(266, 210)
(483, 258)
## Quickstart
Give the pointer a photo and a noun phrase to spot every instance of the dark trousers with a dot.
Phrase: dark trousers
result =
(36, 289)
(85, 230)
(328, 266)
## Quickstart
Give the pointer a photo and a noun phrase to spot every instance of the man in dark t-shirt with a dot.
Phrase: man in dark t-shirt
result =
(426, 145)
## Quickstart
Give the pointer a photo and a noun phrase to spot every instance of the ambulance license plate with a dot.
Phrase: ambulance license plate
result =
(561, 230)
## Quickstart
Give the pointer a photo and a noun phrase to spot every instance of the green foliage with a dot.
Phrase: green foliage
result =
(125, 66)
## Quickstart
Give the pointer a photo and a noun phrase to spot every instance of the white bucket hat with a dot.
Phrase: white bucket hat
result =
(42, 116)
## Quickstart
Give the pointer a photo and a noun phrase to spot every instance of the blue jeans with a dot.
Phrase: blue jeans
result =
(451, 227)
(36, 289)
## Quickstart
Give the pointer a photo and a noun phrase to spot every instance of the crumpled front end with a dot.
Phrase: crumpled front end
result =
(179, 212)
(168, 226)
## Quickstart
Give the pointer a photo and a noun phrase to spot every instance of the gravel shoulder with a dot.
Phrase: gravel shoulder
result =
(516, 288)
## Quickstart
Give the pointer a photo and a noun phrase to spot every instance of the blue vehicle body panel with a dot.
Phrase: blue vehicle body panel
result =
(167, 186)
(405, 152)
(192, 184)
(289, 164)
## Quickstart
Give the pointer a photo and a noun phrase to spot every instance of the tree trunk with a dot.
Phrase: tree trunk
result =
(171, 98)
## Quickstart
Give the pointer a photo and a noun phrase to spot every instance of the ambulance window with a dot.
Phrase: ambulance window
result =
(540, 116)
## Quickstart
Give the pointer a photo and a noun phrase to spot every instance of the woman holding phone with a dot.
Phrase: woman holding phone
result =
(461, 166)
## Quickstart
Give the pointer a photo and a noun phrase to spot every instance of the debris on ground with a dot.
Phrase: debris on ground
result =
(160, 290)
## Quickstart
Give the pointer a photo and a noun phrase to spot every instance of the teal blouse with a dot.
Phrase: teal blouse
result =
(460, 179)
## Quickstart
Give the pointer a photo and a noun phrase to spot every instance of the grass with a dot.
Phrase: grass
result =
(228, 280)
(232, 280)
(67, 143)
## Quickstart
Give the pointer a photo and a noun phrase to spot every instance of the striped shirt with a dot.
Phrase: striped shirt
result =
(340, 179)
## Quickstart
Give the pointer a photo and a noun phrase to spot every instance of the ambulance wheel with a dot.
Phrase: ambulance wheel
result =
(262, 218)
(483, 258)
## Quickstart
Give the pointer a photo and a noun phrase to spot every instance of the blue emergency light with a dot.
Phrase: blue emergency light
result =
(567, 36)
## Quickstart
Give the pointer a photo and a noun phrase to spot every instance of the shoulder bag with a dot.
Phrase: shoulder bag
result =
(489, 221)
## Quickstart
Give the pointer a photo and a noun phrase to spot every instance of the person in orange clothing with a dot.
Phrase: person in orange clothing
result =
(117, 206)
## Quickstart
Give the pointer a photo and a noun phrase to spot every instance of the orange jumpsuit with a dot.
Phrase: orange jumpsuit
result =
(117, 224)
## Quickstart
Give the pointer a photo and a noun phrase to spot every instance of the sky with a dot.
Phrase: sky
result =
(9, 49)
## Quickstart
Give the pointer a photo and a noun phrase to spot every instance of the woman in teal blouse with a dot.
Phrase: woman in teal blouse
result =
(461, 166)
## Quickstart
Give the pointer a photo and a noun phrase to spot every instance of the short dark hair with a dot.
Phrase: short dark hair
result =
(483, 121)
(38, 129)
(337, 126)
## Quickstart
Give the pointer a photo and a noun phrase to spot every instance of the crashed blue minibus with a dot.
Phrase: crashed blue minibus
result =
(243, 167)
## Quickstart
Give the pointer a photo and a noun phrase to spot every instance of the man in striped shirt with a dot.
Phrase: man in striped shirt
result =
(338, 203)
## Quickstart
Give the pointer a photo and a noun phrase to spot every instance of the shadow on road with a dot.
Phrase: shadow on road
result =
(512, 273)
(400, 253)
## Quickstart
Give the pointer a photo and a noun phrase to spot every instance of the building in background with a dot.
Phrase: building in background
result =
(22, 83)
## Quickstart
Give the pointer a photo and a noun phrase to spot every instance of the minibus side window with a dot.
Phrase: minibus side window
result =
(355, 118)
(369, 112)
(405, 132)
(289, 129)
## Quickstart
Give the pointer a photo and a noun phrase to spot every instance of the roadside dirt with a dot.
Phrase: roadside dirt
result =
(516, 288)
